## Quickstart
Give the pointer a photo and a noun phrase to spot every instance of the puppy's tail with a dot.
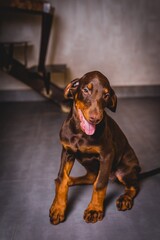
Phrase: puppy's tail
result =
(149, 173)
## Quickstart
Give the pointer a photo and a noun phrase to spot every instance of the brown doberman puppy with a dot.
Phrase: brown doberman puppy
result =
(96, 141)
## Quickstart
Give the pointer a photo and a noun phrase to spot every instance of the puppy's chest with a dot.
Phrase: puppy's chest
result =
(79, 144)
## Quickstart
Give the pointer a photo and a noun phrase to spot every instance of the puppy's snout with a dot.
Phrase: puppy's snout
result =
(95, 119)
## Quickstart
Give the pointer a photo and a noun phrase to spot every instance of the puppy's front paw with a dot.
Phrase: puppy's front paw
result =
(124, 203)
(93, 215)
(56, 214)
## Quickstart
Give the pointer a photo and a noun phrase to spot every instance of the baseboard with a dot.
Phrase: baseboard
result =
(137, 91)
(121, 92)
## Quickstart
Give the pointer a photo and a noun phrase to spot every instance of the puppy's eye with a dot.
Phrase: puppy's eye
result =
(85, 90)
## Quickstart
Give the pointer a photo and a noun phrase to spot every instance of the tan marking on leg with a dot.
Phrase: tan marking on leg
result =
(95, 209)
(58, 207)
(89, 178)
(132, 191)
(125, 201)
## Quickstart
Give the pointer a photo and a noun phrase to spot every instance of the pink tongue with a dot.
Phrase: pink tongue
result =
(88, 128)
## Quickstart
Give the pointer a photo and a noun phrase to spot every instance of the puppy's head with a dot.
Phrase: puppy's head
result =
(91, 94)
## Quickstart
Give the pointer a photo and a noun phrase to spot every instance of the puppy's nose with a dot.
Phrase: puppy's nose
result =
(94, 119)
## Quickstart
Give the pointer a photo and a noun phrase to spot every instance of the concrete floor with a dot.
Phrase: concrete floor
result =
(29, 163)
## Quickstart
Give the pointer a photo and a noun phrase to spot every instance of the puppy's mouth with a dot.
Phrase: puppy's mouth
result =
(86, 127)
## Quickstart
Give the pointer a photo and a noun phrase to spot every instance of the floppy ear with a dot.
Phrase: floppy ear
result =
(71, 89)
(112, 101)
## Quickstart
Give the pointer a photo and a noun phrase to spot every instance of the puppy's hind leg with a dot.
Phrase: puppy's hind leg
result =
(89, 178)
(130, 181)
